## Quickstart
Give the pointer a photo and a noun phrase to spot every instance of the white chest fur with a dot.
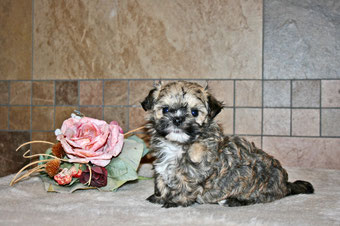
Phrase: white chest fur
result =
(170, 153)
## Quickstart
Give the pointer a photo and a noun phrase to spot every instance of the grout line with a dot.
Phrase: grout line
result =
(136, 106)
(128, 109)
(181, 79)
(291, 108)
(250, 135)
(262, 81)
(32, 76)
(320, 105)
(54, 105)
(8, 104)
(32, 60)
(31, 112)
(103, 94)
(234, 108)
(78, 94)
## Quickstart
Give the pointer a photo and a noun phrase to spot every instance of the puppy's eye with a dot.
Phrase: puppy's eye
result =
(194, 112)
(165, 110)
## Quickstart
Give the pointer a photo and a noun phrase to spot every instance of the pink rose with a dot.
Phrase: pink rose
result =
(90, 140)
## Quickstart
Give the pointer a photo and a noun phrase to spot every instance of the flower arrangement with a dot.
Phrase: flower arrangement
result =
(90, 154)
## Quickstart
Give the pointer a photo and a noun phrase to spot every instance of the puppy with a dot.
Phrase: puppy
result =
(196, 163)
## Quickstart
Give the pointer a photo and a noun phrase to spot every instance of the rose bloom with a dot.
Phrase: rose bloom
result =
(90, 140)
(98, 177)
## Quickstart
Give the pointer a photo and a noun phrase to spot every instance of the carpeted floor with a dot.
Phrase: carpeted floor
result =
(27, 203)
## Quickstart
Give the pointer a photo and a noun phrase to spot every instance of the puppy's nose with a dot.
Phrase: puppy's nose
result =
(178, 121)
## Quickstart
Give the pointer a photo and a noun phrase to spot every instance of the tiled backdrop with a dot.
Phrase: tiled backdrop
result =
(275, 64)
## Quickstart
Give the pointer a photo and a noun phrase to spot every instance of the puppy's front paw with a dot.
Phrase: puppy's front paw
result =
(154, 199)
(170, 205)
(196, 152)
(233, 202)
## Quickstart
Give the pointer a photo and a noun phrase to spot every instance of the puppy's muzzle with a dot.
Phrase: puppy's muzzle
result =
(177, 121)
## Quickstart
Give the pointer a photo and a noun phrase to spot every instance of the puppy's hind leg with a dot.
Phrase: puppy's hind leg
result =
(155, 199)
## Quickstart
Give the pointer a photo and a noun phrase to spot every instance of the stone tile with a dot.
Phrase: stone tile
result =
(16, 39)
(138, 91)
(63, 113)
(136, 118)
(306, 93)
(147, 39)
(42, 118)
(11, 161)
(330, 93)
(248, 93)
(43, 93)
(119, 114)
(4, 92)
(40, 148)
(3, 118)
(225, 120)
(301, 39)
(276, 121)
(330, 122)
(276, 93)
(19, 118)
(91, 92)
(305, 122)
(203, 83)
(20, 93)
(116, 93)
(304, 152)
(66, 92)
(93, 112)
(222, 90)
(248, 121)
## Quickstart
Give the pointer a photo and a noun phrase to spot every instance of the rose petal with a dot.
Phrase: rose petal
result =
(102, 163)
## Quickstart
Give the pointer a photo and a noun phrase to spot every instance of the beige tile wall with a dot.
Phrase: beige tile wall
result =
(102, 59)
(147, 39)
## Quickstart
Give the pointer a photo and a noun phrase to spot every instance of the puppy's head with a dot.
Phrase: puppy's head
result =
(179, 111)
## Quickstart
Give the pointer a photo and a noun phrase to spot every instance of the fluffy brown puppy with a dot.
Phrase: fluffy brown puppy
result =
(195, 162)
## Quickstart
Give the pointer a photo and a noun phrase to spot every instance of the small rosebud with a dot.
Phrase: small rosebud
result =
(74, 172)
(63, 177)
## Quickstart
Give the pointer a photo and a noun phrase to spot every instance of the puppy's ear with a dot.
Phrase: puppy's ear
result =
(147, 104)
(215, 106)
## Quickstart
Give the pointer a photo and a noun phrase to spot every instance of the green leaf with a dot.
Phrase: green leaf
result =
(123, 168)
(145, 149)
(52, 186)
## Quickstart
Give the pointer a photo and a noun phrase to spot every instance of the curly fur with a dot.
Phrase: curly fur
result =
(196, 163)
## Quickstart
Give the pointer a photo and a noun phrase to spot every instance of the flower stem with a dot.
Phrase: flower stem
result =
(35, 169)
(25, 167)
(90, 178)
(34, 141)
(134, 130)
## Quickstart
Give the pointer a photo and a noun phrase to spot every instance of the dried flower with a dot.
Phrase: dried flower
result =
(58, 150)
(64, 177)
(74, 172)
(98, 177)
(52, 167)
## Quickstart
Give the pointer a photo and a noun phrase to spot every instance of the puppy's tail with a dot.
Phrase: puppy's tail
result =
(300, 187)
